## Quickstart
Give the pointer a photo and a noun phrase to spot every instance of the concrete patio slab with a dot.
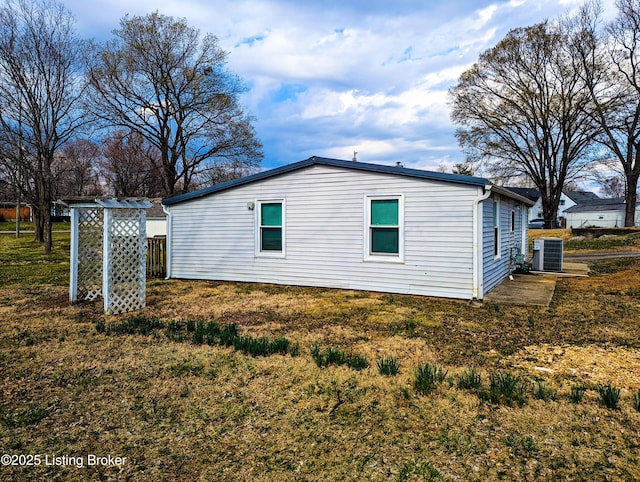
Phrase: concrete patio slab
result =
(533, 289)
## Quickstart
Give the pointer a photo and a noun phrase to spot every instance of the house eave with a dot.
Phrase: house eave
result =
(360, 166)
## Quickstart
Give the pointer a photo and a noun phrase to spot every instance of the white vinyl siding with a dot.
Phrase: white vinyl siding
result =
(213, 237)
(496, 228)
(497, 268)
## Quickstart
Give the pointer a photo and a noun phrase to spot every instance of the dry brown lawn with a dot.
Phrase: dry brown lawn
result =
(179, 411)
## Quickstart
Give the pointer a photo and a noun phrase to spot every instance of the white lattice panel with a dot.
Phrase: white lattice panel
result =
(125, 263)
(90, 228)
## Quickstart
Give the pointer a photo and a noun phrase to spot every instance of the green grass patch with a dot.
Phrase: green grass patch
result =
(388, 366)
(427, 376)
(31, 414)
(199, 332)
(505, 389)
(577, 393)
(335, 356)
(609, 396)
(604, 242)
(636, 401)
(611, 266)
(542, 392)
(419, 471)
(24, 263)
(470, 379)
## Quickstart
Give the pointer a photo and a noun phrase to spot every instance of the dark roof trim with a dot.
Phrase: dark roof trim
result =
(323, 161)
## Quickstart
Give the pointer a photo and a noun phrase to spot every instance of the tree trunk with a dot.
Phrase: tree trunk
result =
(549, 212)
(630, 200)
(48, 239)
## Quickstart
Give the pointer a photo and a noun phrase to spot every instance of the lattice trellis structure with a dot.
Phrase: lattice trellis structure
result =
(90, 223)
(108, 253)
(126, 268)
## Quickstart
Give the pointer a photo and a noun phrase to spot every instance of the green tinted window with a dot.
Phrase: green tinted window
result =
(385, 240)
(384, 212)
(271, 214)
(271, 239)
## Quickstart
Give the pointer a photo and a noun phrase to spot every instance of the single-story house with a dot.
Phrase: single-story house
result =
(600, 213)
(568, 199)
(346, 224)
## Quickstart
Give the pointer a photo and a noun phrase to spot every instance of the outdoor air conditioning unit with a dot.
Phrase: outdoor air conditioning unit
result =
(547, 254)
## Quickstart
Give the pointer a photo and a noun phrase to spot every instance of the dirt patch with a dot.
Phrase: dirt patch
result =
(617, 366)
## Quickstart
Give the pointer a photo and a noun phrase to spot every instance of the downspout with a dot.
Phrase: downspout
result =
(477, 292)
(167, 211)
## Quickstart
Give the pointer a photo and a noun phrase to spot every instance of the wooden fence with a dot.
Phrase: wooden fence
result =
(156, 257)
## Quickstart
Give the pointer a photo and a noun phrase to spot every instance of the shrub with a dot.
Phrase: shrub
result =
(388, 366)
(541, 392)
(470, 379)
(576, 394)
(609, 396)
(426, 376)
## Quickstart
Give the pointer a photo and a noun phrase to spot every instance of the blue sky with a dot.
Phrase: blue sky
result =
(332, 77)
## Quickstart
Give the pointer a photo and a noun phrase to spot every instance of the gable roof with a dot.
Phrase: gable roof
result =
(581, 197)
(597, 205)
(530, 193)
(352, 165)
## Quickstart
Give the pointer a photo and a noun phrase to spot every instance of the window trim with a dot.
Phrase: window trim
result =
(380, 257)
(259, 252)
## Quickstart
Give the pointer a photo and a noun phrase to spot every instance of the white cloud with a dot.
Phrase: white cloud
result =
(372, 76)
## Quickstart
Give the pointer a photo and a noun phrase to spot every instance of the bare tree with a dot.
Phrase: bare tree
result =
(609, 58)
(614, 187)
(521, 111)
(75, 170)
(130, 166)
(41, 80)
(224, 171)
(158, 78)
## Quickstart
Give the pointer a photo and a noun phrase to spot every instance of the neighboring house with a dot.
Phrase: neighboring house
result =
(156, 219)
(344, 224)
(568, 199)
(600, 213)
